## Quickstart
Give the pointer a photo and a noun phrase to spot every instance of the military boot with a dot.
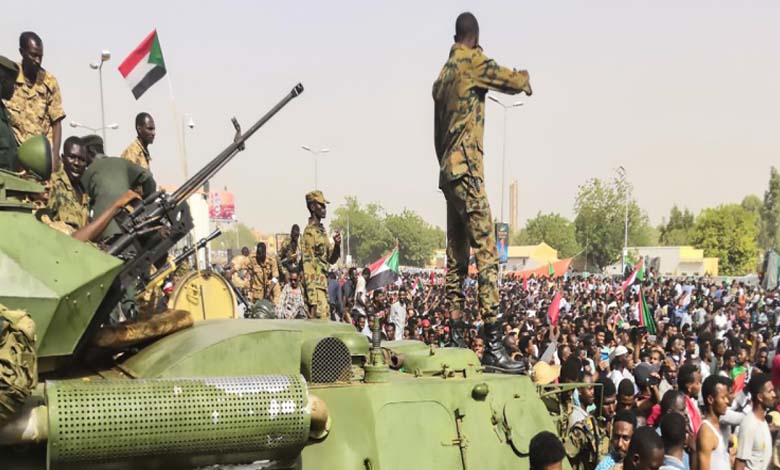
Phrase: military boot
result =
(458, 334)
(495, 356)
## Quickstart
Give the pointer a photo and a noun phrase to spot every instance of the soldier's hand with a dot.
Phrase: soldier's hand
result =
(125, 198)
(337, 238)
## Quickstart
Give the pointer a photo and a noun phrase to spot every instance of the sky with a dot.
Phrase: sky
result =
(684, 95)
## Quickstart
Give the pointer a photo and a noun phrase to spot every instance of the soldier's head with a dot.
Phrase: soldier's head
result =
(260, 253)
(316, 203)
(8, 73)
(295, 232)
(144, 126)
(74, 157)
(646, 451)
(545, 452)
(31, 49)
(467, 30)
(93, 144)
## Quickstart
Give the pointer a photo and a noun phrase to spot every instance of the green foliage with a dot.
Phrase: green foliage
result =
(600, 207)
(677, 231)
(373, 233)
(519, 237)
(769, 235)
(228, 239)
(553, 229)
(417, 238)
(728, 232)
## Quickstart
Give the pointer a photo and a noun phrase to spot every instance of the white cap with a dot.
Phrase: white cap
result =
(619, 351)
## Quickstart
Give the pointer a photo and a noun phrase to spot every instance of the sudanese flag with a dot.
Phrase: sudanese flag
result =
(144, 66)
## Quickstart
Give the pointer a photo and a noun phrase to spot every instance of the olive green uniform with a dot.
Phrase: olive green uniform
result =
(106, 179)
(586, 444)
(459, 96)
(8, 145)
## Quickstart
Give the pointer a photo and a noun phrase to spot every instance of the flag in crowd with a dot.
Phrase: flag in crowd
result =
(384, 271)
(637, 275)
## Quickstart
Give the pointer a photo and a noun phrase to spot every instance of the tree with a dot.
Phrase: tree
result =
(600, 207)
(729, 233)
(369, 237)
(229, 239)
(769, 235)
(520, 237)
(555, 230)
(418, 240)
(677, 231)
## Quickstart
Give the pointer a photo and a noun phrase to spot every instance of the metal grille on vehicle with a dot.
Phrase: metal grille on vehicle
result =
(331, 362)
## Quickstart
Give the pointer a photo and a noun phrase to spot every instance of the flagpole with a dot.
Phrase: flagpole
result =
(177, 126)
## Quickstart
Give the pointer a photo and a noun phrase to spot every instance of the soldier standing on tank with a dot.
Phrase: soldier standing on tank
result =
(263, 277)
(8, 145)
(138, 151)
(459, 96)
(36, 106)
(289, 253)
(68, 203)
(317, 255)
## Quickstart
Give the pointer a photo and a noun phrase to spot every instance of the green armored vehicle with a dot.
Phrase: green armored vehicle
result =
(281, 393)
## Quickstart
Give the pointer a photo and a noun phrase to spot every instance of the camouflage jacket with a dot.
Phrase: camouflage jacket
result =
(317, 253)
(8, 145)
(65, 204)
(459, 114)
(261, 278)
(34, 109)
(586, 444)
(138, 154)
(289, 255)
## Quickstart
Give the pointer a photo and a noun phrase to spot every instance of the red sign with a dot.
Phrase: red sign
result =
(222, 206)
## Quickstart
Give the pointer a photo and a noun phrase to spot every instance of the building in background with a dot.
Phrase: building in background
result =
(522, 257)
(673, 261)
(514, 219)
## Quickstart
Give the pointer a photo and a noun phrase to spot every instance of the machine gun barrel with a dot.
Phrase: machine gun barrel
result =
(165, 270)
(191, 185)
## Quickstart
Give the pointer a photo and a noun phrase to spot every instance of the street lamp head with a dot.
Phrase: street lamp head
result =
(94, 65)
(74, 124)
(113, 125)
(517, 103)
(324, 150)
(306, 147)
(191, 123)
(105, 55)
(494, 99)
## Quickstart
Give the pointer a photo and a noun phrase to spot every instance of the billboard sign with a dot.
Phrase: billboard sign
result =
(502, 242)
(222, 206)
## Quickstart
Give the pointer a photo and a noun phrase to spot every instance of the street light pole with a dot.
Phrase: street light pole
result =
(112, 126)
(315, 154)
(104, 56)
(506, 108)
(621, 171)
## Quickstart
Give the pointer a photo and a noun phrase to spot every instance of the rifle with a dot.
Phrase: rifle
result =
(156, 224)
(171, 266)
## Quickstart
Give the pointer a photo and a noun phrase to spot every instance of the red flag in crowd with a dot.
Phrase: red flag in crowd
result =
(554, 311)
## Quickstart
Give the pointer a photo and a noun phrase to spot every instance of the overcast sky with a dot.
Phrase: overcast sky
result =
(685, 97)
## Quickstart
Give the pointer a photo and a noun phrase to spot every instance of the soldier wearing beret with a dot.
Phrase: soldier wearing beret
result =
(459, 97)
(318, 254)
(8, 145)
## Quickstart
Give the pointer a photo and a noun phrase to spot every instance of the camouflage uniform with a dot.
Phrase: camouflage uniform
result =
(289, 255)
(138, 154)
(459, 96)
(18, 364)
(65, 204)
(34, 109)
(263, 280)
(8, 145)
(317, 253)
(584, 444)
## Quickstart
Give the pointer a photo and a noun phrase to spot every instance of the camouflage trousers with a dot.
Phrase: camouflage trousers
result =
(470, 225)
(318, 297)
(18, 364)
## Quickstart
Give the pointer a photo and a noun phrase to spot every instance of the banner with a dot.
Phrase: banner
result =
(222, 206)
(502, 242)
